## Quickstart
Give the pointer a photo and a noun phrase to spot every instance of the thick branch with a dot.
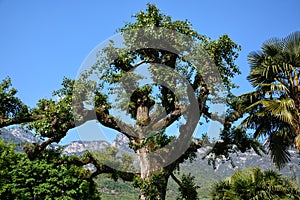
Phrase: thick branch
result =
(100, 168)
(192, 149)
(109, 121)
(213, 116)
(12, 121)
(57, 130)
(167, 121)
(34, 152)
(103, 116)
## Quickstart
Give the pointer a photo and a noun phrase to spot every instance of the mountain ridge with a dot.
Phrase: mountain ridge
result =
(223, 168)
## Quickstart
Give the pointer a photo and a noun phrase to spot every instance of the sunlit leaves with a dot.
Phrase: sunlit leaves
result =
(10, 105)
(57, 114)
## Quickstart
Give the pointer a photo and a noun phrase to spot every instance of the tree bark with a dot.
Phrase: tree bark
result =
(146, 164)
(142, 114)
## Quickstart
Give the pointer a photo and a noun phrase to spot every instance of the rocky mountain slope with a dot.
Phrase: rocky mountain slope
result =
(17, 135)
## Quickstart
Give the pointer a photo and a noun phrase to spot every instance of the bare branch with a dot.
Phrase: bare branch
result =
(139, 63)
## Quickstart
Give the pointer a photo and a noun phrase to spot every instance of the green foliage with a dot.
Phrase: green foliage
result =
(57, 114)
(10, 105)
(253, 183)
(151, 186)
(115, 190)
(112, 158)
(188, 190)
(153, 17)
(44, 178)
(224, 53)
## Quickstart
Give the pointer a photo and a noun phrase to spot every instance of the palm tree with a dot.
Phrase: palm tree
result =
(253, 183)
(274, 106)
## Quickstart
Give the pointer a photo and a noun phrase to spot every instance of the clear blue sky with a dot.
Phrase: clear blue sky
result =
(43, 41)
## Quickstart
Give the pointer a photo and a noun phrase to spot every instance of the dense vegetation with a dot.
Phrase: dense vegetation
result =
(254, 183)
(48, 177)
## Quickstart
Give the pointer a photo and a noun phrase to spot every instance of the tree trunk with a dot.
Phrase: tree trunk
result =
(142, 114)
(145, 170)
(153, 190)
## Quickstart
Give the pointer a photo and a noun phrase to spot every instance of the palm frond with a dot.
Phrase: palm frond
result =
(272, 47)
(278, 147)
(292, 43)
(254, 184)
(283, 109)
(275, 74)
(278, 88)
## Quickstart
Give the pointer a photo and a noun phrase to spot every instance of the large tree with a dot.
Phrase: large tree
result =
(190, 72)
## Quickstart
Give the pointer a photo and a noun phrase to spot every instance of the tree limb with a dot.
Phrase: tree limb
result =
(213, 116)
(12, 121)
(109, 121)
(100, 168)
(157, 124)
(177, 180)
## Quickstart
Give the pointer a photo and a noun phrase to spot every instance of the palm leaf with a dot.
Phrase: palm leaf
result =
(278, 147)
(292, 43)
(283, 109)
(278, 88)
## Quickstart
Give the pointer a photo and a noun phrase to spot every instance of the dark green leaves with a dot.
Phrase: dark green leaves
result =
(44, 178)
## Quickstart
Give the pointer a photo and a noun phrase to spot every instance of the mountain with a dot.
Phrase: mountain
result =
(20, 136)
(79, 147)
(17, 135)
(121, 142)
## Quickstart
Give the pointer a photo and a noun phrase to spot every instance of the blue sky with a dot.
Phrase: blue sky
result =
(43, 41)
